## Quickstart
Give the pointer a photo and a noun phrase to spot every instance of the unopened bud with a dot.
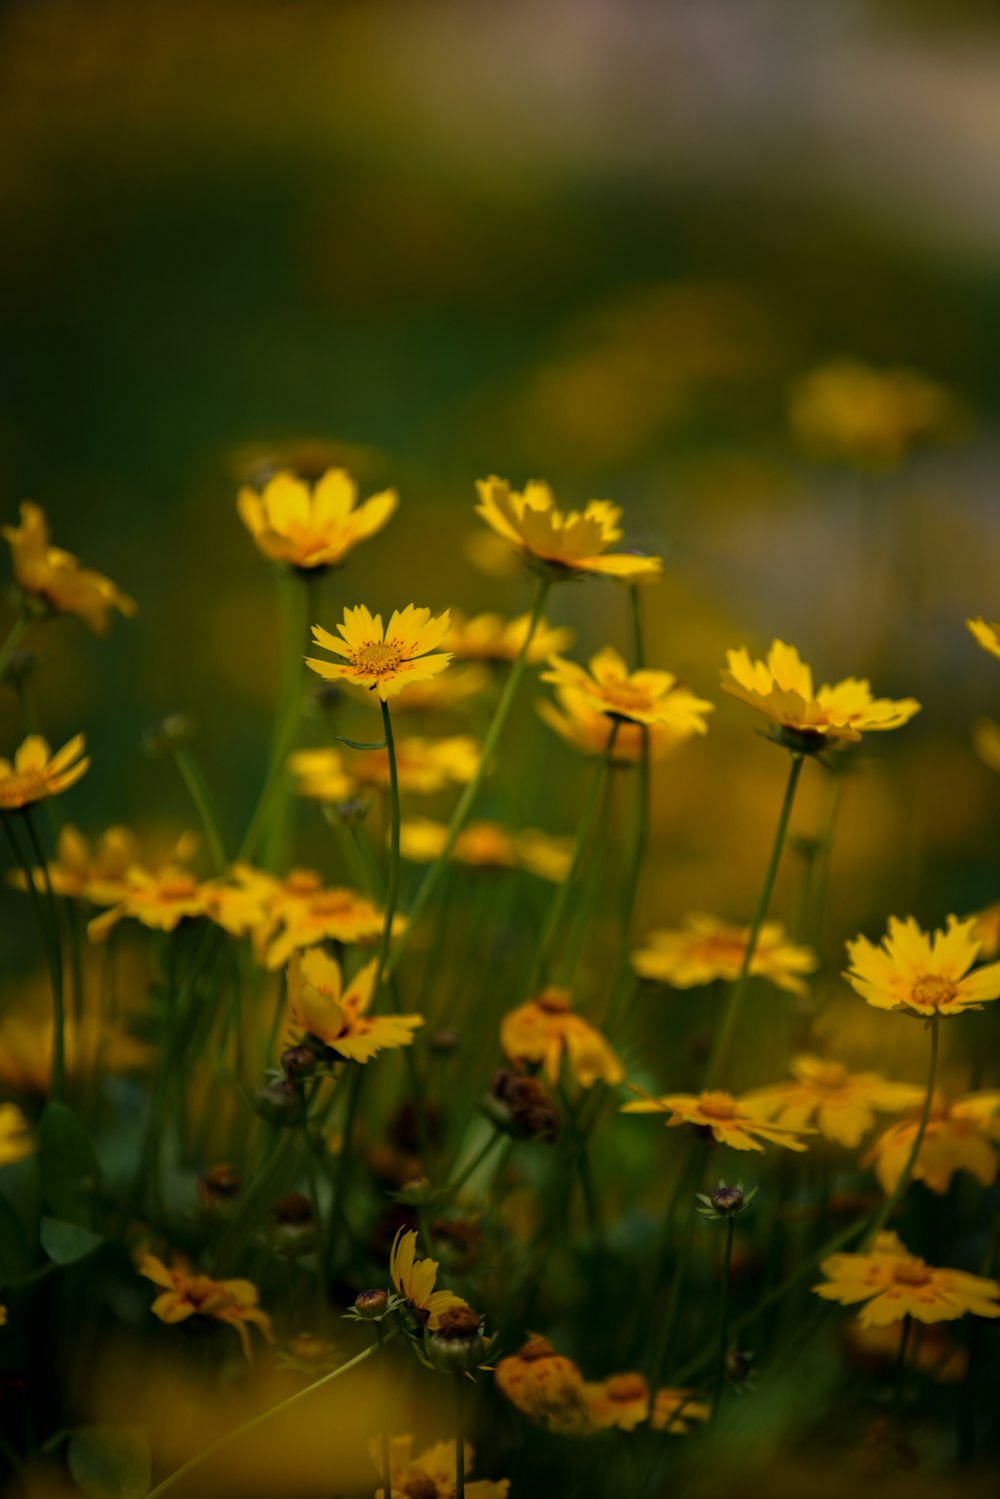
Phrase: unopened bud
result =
(298, 1061)
(457, 1343)
(371, 1304)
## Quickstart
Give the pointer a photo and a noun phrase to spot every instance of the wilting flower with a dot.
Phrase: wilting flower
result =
(739, 1122)
(870, 418)
(544, 1030)
(312, 525)
(433, 1474)
(782, 689)
(299, 911)
(322, 1007)
(490, 637)
(414, 1281)
(621, 1400)
(571, 542)
(896, 1284)
(520, 1106)
(36, 773)
(487, 845)
(961, 1134)
(15, 1137)
(186, 1294)
(673, 1409)
(384, 660)
(706, 949)
(640, 697)
(986, 742)
(55, 578)
(987, 634)
(543, 1385)
(926, 973)
(843, 1103)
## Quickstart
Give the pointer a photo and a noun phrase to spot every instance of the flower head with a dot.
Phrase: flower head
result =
(186, 1294)
(706, 949)
(36, 773)
(312, 525)
(490, 637)
(986, 633)
(961, 1135)
(15, 1137)
(543, 1385)
(299, 911)
(896, 1284)
(414, 1281)
(383, 660)
(432, 1474)
(487, 845)
(56, 580)
(850, 412)
(620, 1401)
(93, 874)
(739, 1122)
(322, 1007)
(923, 972)
(568, 543)
(588, 728)
(639, 697)
(674, 1409)
(842, 1103)
(986, 742)
(544, 1030)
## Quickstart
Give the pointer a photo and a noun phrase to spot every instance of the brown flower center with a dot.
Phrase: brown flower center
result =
(458, 1322)
(554, 1001)
(718, 1105)
(378, 656)
(911, 1272)
(536, 1347)
(933, 990)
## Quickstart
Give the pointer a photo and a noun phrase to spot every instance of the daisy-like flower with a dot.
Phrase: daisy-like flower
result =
(36, 773)
(432, 1474)
(987, 930)
(986, 633)
(961, 1135)
(544, 1030)
(923, 972)
(490, 637)
(383, 660)
(312, 525)
(782, 689)
(93, 874)
(158, 899)
(895, 1284)
(621, 1400)
(674, 1409)
(567, 543)
(92, 1045)
(15, 1136)
(706, 949)
(56, 580)
(852, 413)
(414, 1281)
(588, 729)
(298, 911)
(323, 1008)
(842, 1103)
(186, 1294)
(488, 845)
(543, 1385)
(986, 742)
(741, 1123)
(641, 697)
(424, 766)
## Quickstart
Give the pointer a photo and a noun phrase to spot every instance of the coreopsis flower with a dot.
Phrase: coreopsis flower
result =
(843, 1104)
(588, 728)
(158, 899)
(673, 1409)
(961, 1135)
(705, 949)
(639, 697)
(432, 1474)
(567, 543)
(987, 634)
(782, 689)
(36, 773)
(299, 911)
(82, 872)
(445, 693)
(543, 1385)
(93, 1046)
(986, 742)
(422, 765)
(741, 1123)
(545, 1030)
(15, 1136)
(847, 411)
(925, 973)
(490, 637)
(987, 930)
(323, 1008)
(184, 1294)
(55, 579)
(895, 1284)
(385, 659)
(414, 1281)
(487, 845)
(312, 525)
(621, 1400)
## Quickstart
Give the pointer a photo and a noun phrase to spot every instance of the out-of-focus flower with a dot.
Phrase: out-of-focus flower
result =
(490, 637)
(739, 1122)
(432, 1474)
(414, 1281)
(986, 742)
(673, 1409)
(936, 1353)
(383, 660)
(782, 689)
(186, 1294)
(588, 729)
(312, 525)
(521, 1107)
(487, 845)
(218, 1189)
(639, 697)
(895, 1284)
(849, 412)
(322, 1007)
(158, 899)
(621, 1400)
(444, 693)
(36, 773)
(843, 1104)
(94, 1046)
(987, 930)
(987, 634)
(299, 911)
(55, 579)
(706, 949)
(424, 766)
(545, 1029)
(570, 542)
(82, 872)
(926, 973)
(15, 1136)
(961, 1135)
(543, 1385)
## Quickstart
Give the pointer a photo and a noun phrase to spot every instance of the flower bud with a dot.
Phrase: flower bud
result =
(738, 1366)
(416, 1192)
(444, 1041)
(298, 1061)
(371, 1305)
(218, 1189)
(726, 1201)
(279, 1103)
(457, 1343)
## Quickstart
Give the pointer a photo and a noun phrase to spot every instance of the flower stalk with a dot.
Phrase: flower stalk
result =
(895, 1196)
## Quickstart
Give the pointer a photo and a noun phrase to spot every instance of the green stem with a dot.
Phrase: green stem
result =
(384, 1406)
(50, 936)
(317, 1217)
(343, 1163)
(392, 884)
(459, 1438)
(11, 643)
(687, 1180)
(898, 1190)
(204, 804)
(720, 1368)
(640, 840)
(474, 1164)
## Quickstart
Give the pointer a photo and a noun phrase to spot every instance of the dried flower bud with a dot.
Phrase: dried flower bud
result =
(292, 1228)
(218, 1189)
(521, 1107)
(371, 1304)
(738, 1366)
(457, 1343)
(444, 1041)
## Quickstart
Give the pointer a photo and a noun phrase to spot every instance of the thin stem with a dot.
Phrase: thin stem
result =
(473, 1166)
(903, 1182)
(204, 804)
(459, 1438)
(49, 924)
(720, 1370)
(392, 884)
(250, 1202)
(639, 842)
(317, 1217)
(11, 643)
(384, 1408)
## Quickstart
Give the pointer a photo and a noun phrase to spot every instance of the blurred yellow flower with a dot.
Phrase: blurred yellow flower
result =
(706, 949)
(896, 1284)
(321, 775)
(300, 911)
(961, 1135)
(322, 1007)
(444, 693)
(424, 766)
(186, 1294)
(543, 1385)
(36, 773)
(987, 634)
(383, 660)
(640, 697)
(81, 872)
(488, 845)
(94, 1046)
(15, 1136)
(986, 742)
(927, 973)
(432, 1474)
(732, 1121)
(844, 1104)
(673, 1409)
(56, 579)
(312, 525)
(987, 930)
(490, 637)
(414, 1281)
(569, 542)
(588, 728)
(848, 411)
(544, 1030)
(782, 689)
(621, 1400)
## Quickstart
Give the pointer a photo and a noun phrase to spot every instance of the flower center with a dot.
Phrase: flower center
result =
(554, 1001)
(178, 889)
(933, 990)
(536, 1348)
(718, 1105)
(832, 1075)
(621, 697)
(420, 1486)
(302, 882)
(626, 1387)
(378, 656)
(911, 1272)
(332, 903)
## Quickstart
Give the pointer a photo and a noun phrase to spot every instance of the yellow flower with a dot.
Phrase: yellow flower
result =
(986, 742)
(641, 697)
(185, 1294)
(3, 1316)
(321, 774)
(706, 949)
(987, 930)
(570, 541)
(322, 1007)
(15, 1137)
(674, 1408)
(843, 1103)
(543, 1385)
(732, 1121)
(56, 579)
(384, 660)
(987, 634)
(414, 1281)
(960, 1136)
(895, 1284)
(544, 1030)
(782, 689)
(424, 766)
(299, 911)
(871, 418)
(312, 525)
(487, 845)
(442, 694)
(158, 899)
(588, 728)
(490, 637)
(927, 973)
(621, 1400)
(36, 773)
(433, 1474)
(80, 872)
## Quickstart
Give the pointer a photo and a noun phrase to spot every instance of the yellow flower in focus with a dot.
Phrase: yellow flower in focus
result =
(36, 773)
(322, 1007)
(543, 1385)
(414, 1281)
(569, 542)
(641, 697)
(738, 1122)
(782, 689)
(56, 579)
(80, 872)
(896, 1284)
(15, 1137)
(383, 660)
(312, 525)
(432, 1474)
(673, 1409)
(706, 949)
(488, 845)
(299, 911)
(621, 1400)
(588, 728)
(490, 637)
(960, 1136)
(844, 1104)
(987, 634)
(185, 1294)
(986, 742)
(927, 973)
(544, 1030)
(848, 411)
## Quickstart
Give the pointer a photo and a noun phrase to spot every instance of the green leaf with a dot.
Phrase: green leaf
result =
(110, 1462)
(359, 744)
(15, 1251)
(67, 1164)
(67, 1242)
